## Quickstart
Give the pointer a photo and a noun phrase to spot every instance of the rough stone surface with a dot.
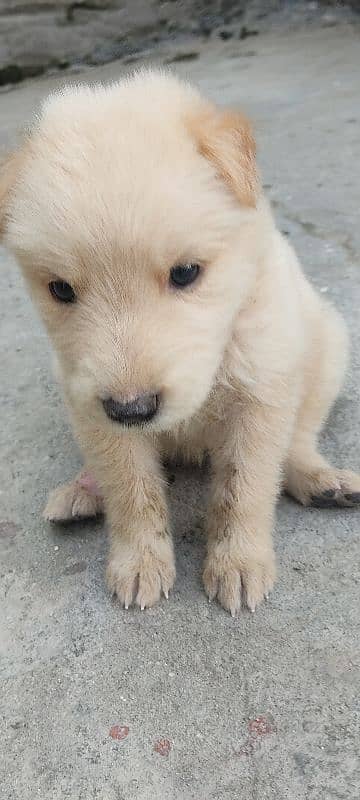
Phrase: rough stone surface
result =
(182, 701)
(35, 36)
(41, 35)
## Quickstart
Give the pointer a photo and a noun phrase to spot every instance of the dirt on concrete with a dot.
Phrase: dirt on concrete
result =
(38, 36)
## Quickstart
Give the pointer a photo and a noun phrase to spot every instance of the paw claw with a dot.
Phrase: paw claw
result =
(72, 502)
(137, 575)
(353, 497)
(324, 500)
(230, 578)
(326, 488)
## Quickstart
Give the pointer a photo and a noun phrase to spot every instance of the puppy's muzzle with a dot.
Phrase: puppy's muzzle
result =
(134, 412)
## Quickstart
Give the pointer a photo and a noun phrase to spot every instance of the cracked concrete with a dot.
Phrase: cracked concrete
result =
(183, 701)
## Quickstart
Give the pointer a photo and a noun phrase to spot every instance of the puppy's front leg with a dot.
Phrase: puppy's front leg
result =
(247, 458)
(141, 561)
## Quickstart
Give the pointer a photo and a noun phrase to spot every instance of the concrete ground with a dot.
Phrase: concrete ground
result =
(263, 707)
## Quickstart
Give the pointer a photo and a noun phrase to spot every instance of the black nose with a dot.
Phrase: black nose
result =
(142, 409)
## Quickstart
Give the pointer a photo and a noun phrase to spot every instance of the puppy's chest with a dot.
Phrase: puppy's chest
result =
(191, 440)
(200, 430)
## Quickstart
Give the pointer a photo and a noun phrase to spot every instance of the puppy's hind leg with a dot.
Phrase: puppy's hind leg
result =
(309, 478)
(312, 481)
(77, 500)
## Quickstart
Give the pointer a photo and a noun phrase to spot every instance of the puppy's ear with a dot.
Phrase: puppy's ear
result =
(10, 168)
(226, 139)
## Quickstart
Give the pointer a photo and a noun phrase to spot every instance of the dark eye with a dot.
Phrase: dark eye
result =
(62, 291)
(184, 274)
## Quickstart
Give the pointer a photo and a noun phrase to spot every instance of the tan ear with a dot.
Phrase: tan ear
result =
(10, 169)
(226, 139)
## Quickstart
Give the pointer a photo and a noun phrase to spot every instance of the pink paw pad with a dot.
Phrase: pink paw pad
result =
(88, 482)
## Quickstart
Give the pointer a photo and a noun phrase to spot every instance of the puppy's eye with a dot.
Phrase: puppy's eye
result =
(62, 291)
(183, 274)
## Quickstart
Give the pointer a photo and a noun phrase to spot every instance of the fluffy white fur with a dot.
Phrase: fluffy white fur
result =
(113, 187)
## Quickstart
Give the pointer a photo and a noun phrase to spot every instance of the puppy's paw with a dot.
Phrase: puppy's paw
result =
(73, 501)
(326, 488)
(232, 576)
(140, 573)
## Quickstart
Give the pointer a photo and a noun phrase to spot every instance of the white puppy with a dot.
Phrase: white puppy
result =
(182, 323)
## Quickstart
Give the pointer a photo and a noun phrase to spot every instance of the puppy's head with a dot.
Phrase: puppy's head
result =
(130, 209)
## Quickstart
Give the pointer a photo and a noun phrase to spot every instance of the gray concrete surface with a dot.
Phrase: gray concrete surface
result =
(38, 36)
(263, 707)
